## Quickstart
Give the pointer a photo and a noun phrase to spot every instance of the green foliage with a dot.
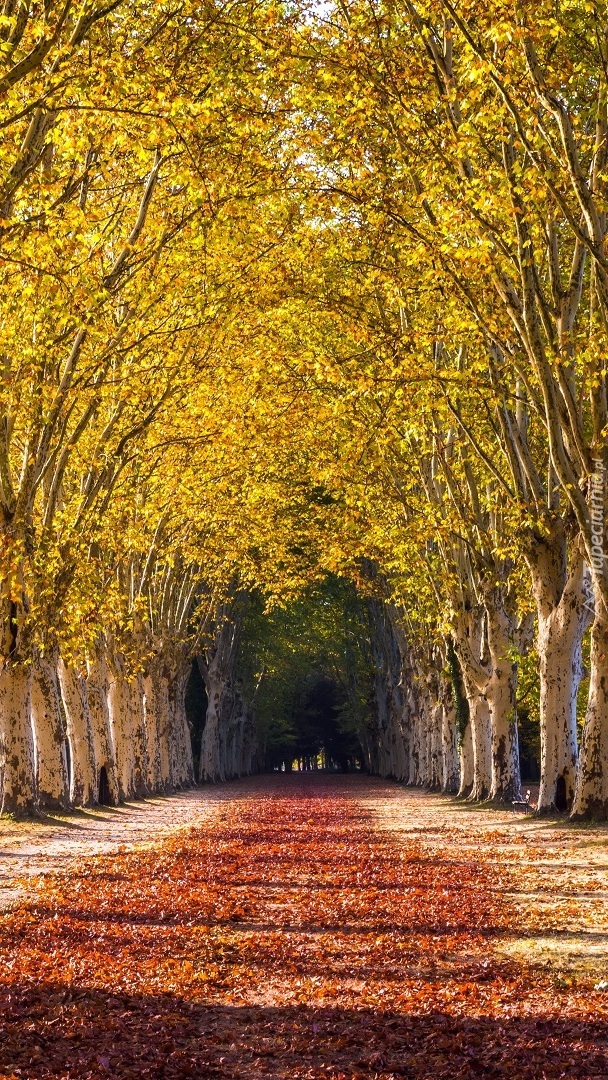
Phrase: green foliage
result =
(298, 656)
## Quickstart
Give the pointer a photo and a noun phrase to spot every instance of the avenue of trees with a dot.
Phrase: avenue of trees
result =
(303, 306)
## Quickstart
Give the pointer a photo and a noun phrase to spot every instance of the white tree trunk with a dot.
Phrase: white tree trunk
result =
(152, 731)
(481, 738)
(591, 791)
(424, 761)
(561, 669)
(180, 748)
(97, 697)
(415, 743)
(52, 781)
(468, 635)
(17, 768)
(121, 726)
(455, 698)
(466, 758)
(161, 698)
(141, 788)
(409, 711)
(83, 788)
(490, 679)
(563, 608)
(506, 779)
(435, 745)
(501, 694)
(450, 767)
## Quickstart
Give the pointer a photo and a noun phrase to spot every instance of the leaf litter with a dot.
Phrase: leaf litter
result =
(289, 935)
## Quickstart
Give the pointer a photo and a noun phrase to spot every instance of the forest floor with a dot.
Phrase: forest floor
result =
(299, 928)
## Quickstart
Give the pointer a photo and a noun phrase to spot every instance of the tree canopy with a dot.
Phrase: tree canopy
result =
(303, 303)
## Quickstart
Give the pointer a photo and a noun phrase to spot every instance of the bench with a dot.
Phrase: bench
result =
(523, 805)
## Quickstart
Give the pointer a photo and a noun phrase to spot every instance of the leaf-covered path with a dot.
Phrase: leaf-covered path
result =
(306, 927)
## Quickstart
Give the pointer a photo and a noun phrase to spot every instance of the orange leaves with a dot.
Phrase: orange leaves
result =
(287, 936)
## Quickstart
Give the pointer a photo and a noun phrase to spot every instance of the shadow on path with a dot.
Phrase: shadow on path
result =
(55, 1032)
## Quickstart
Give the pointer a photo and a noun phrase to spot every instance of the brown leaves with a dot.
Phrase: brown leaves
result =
(290, 938)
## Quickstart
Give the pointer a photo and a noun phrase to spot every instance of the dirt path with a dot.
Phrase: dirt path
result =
(56, 842)
(554, 875)
(305, 927)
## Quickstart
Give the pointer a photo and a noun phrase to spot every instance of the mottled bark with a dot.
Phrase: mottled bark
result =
(119, 711)
(153, 729)
(79, 730)
(468, 637)
(591, 792)
(435, 745)
(562, 599)
(48, 732)
(500, 691)
(450, 765)
(481, 737)
(103, 741)
(17, 770)
(181, 764)
(211, 765)
(466, 760)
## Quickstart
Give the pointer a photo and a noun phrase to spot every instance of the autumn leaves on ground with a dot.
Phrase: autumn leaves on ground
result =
(314, 926)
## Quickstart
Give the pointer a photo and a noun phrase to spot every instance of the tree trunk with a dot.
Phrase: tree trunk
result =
(506, 778)
(401, 727)
(97, 697)
(211, 770)
(563, 607)
(500, 691)
(141, 788)
(236, 763)
(481, 737)
(407, 725)
(83, 789)
(426, 734)
(490, 679)
(391, 674)
(180, 746)
(218, 671)
(468, 638)
(52, 781)
(17, 767)
(591, 792)
(119, 711)
(415, 743)
(435, 745)
(250, 747)
(466, 758)
(225, 729)
(152, 731)
(450, 774)
(161, 697)
(455, 693)
(561, 670)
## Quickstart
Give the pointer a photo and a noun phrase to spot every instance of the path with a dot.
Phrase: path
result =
(29, 849)
(295, 928)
